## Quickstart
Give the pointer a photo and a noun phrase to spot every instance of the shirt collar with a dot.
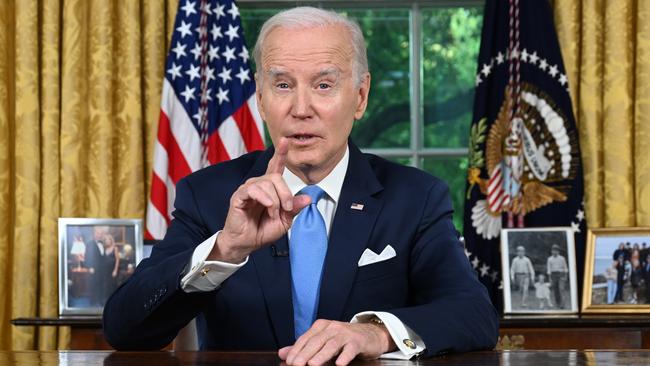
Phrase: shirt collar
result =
(331, 184)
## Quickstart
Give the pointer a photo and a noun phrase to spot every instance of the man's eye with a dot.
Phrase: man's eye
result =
(324, 86)
(283, 85)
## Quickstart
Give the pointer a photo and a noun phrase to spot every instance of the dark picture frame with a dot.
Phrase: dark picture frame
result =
(539, 271)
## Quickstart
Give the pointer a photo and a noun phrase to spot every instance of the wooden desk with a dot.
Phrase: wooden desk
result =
(576, 332)
(507, 358)
(86, 331)
(536, 333)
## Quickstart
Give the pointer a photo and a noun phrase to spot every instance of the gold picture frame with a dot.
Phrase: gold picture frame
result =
(600, 290)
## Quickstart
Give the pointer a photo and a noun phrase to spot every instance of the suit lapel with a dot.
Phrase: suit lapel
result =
(349, 234)
(274, 273)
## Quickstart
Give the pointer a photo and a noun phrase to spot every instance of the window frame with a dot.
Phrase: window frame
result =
(416, 150)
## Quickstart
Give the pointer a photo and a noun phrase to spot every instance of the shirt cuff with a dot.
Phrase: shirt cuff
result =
(207, 275)
(409, 344)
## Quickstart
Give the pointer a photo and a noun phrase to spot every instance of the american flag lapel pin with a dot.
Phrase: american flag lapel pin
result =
(357, 206)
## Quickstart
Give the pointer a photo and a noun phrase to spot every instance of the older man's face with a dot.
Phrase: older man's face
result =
(309, 94)
(99, 232)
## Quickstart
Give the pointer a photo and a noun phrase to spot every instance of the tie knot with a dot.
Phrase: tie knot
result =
(314, 192)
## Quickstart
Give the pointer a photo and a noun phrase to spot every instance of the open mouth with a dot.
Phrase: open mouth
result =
(303, 138)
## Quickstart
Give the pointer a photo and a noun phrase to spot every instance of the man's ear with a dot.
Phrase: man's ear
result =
(258, 96)
(362, 96)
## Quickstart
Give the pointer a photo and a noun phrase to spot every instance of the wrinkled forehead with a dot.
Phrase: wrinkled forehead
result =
(315, 47)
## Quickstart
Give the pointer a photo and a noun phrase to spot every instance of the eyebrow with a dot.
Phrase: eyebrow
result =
(329, 71)
(275, 72)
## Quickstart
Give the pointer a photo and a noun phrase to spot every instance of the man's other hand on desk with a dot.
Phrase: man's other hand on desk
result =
(327, 339)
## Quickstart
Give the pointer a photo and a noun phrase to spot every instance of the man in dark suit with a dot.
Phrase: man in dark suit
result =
(643, 254)
(94, 261)
(313, 249)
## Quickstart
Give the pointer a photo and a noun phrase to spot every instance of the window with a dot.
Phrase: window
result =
(422, 57)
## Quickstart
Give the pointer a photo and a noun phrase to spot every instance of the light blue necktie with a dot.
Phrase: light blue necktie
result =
(307, 248)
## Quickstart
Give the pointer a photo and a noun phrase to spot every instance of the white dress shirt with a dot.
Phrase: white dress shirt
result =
(556, 264)
(207, 275)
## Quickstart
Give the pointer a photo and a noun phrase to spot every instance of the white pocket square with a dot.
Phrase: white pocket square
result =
(370, 257)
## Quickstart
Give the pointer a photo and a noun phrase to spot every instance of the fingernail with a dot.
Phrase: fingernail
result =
(289, 205)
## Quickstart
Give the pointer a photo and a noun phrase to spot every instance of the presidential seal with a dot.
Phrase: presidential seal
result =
(530, 158)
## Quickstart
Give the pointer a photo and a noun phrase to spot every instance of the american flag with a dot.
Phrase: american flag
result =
(208, 112)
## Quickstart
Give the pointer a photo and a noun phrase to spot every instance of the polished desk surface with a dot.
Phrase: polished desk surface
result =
(505, 358)
(507, 321)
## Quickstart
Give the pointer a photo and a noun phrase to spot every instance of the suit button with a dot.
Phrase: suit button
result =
(409, 343)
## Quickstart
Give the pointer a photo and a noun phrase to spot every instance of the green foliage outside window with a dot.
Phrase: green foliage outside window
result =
(449, 49)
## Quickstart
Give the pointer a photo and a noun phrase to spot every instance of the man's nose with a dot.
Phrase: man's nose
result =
(302, 107)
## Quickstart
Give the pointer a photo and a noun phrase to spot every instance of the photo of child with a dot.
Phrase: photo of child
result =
(539, 270)
(543, 292)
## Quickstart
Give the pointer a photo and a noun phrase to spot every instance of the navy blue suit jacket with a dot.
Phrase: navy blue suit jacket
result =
(430, 285)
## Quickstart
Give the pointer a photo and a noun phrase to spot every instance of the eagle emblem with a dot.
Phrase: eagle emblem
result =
(529, 160)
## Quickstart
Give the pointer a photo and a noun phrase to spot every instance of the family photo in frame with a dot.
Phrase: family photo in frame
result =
(95, 257)
(617, 271)
(539, 271)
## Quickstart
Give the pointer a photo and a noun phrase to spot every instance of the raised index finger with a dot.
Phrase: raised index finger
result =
(278, 161)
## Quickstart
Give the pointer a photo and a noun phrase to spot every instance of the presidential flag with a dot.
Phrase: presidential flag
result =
(524, 158)
(208, 112)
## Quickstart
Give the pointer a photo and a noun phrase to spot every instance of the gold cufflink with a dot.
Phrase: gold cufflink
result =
(409, 343)
(205, 271)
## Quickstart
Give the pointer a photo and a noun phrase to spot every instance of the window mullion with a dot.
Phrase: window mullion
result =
(416, 84)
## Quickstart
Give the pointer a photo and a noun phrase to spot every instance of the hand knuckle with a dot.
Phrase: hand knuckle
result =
(268, 186)
(338, 326)
(321, 322)
(258, 184)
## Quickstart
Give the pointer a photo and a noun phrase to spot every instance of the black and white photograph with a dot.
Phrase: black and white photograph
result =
(617, 270)
(95, 257)
(539, 271)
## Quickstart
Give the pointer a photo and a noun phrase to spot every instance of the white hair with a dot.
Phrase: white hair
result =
(309, 17)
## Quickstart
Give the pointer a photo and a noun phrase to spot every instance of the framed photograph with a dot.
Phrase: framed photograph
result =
(539, 271)
(617, 271)
(95, 257)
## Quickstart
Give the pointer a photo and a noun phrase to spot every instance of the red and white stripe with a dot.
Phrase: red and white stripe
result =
(497, 196)
(178, 152)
